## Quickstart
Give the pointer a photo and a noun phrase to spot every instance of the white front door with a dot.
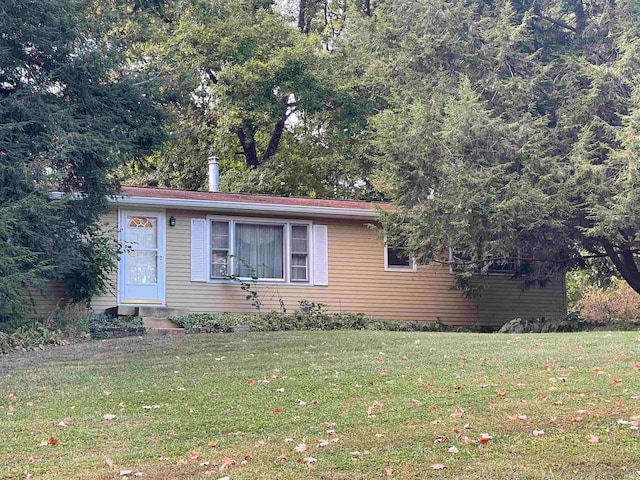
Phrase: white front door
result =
(142, 267)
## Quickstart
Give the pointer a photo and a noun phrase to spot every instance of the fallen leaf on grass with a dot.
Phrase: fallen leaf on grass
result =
(538, 433)
(226, 463)
(276, 410)
(301, 447)
(593, 439)
(11, 397)
(125, 473)
(458, 413)
(438, 466)
(309, 460)
(259, 444)
(193, 454)
(251, 383)
(282, 459)
(355, 454)
(109, 416)
(213, 443)
(388, 471)
(484, 439)
(453, 450)
(53, 441)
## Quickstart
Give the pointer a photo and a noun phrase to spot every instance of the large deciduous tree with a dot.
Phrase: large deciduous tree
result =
(245, 84)
(512, 133)
(68, 116)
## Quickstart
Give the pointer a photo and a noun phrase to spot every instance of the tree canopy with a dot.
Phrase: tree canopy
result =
(68, 118)
(506, 132)
(512, 133)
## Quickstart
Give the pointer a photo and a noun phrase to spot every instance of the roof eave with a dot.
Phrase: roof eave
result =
(245, 207)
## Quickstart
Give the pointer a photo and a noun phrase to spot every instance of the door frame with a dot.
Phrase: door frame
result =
(161, 215)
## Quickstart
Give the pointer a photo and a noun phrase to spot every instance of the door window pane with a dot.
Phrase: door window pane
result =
(142, 232)
(259, 248)
(142, 267)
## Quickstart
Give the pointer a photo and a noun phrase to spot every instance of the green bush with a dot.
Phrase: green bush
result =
(310, 316)
(29, 337)
(103, 326)
(570, 323)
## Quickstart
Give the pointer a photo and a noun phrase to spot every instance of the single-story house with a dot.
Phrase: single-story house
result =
(185, 247)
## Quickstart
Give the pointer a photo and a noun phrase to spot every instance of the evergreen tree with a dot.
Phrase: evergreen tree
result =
(68, 117)
(512, 133)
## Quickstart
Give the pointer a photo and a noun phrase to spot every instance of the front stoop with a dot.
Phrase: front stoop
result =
(161, 312)
(162, 326)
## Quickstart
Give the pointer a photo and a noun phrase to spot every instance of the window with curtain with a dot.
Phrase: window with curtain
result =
(272, 251)
(259, 248)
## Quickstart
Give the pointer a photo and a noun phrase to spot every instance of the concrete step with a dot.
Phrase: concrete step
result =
(161, 312)
(155, 323)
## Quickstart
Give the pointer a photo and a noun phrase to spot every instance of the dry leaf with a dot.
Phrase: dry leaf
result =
(213, 443)
(593, 439)
(53, 441)
(538, 433)
(388, 471)
(438, 466)
(251, 383)
(458, 413)
(453, 450)
(193, 454)
(109, 416)
(301, 447)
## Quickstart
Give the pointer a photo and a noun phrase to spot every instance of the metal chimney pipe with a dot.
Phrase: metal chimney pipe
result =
(214, 174)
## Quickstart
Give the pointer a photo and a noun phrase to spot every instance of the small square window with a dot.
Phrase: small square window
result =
(398, 259)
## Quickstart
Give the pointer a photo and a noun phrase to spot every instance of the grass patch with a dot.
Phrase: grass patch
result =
(182, 405)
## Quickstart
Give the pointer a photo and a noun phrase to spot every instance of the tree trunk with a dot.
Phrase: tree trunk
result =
(366, 7)
(625, 264)
(301, 15)
(581, 19)
(248, 142)
(274, 142)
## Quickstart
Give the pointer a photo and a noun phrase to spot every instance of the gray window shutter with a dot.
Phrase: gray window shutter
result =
(198, 246)
(320, 255)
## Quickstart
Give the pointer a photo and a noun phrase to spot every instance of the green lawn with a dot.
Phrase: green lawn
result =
(363, 404)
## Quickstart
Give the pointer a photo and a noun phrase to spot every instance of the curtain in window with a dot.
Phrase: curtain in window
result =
(259, 246)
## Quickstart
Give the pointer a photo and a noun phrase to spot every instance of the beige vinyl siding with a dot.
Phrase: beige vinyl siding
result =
(46, 302)
(109, 225)
(358, 282)
(505, 300)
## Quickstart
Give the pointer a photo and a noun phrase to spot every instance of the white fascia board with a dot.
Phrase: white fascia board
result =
(244, 207)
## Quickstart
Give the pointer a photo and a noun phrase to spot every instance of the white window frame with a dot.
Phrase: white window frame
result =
(412, 267)
(286, 224)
